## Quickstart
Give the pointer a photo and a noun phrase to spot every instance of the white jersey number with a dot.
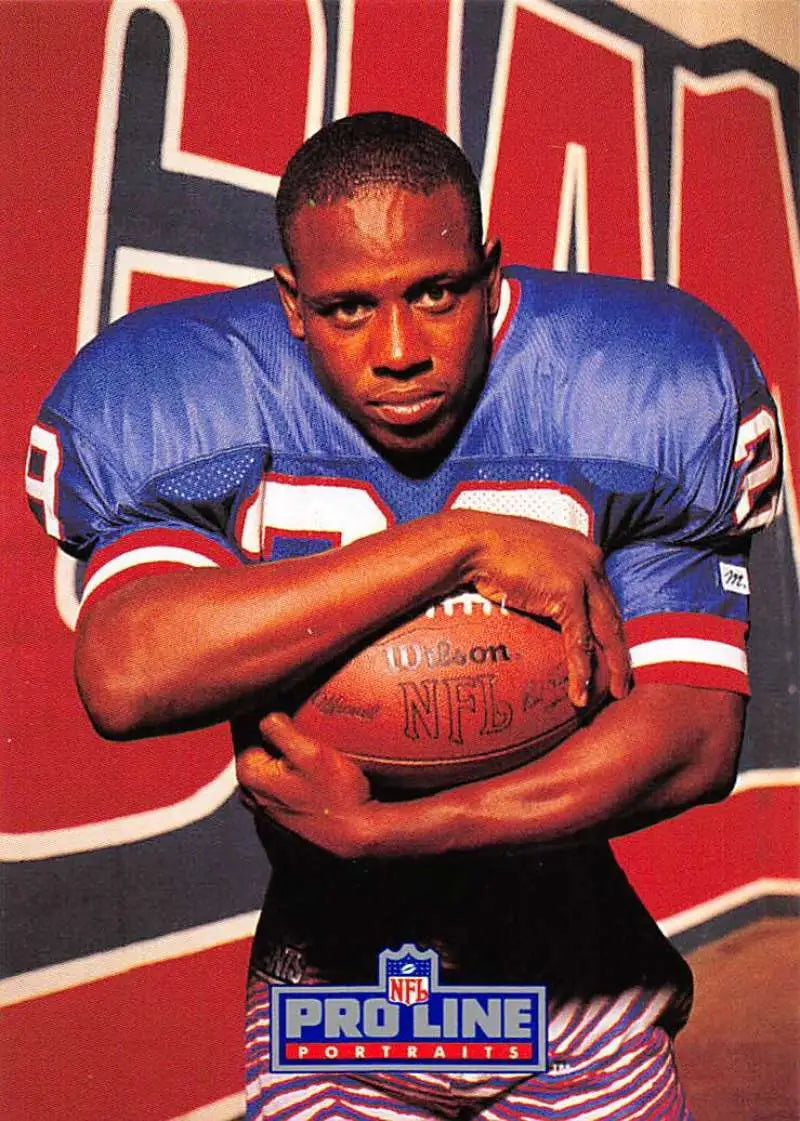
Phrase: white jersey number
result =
(334, 510)
(341, 512)
(41, 484)
(757, 445)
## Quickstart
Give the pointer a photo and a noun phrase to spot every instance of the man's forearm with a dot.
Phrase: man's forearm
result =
(171, 651)
(645, 758)
(193, 647)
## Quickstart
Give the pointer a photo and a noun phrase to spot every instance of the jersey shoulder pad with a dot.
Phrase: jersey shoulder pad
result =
(178, 381)
(166, 415)
(642, 373)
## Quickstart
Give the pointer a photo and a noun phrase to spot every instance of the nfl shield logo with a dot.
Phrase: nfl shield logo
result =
(408, 976)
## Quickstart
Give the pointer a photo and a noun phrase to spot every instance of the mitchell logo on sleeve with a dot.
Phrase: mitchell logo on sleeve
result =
(734, 578)
(408, 1022)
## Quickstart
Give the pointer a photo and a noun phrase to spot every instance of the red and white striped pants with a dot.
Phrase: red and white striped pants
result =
(611, 1072)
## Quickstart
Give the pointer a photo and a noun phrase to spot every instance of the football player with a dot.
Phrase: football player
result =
(592, 450)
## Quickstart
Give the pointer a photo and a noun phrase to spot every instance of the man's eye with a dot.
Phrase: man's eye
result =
(346, 314)
(436, 297)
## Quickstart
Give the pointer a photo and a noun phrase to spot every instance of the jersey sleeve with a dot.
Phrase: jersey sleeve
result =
(85, 502)
(686, 613)
(681, 575)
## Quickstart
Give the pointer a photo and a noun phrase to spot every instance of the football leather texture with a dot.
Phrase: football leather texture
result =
(462, 691)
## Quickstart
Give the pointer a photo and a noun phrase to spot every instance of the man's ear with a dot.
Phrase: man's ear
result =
(287, 290)
(491, 252)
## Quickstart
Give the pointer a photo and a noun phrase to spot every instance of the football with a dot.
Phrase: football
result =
(461, 691)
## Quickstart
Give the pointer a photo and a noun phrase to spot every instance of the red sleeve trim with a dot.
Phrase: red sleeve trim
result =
(686, 624)
(689, 648)
(700, 676)
(147, 551)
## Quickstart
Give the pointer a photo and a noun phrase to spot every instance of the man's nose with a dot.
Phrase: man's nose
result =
(399, 347)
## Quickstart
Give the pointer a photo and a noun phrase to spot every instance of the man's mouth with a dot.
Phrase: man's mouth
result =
(402, 410)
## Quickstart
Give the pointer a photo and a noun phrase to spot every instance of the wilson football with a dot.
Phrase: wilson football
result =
(462, 691)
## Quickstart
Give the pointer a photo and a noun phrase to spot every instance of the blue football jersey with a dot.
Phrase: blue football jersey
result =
(195, 433)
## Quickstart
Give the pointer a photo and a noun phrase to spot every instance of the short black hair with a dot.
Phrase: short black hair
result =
(370, 149)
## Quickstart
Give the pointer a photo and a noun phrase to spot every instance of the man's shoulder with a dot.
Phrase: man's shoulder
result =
(627, 369)
(210, 356)
(597, 310)
(626, 337)
(157, 347)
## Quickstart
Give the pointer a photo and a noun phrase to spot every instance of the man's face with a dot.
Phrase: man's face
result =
(395, 307)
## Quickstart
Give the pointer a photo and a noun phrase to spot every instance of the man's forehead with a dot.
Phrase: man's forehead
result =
(380, 218)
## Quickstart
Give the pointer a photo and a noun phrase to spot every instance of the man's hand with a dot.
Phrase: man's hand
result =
(555, 573)
(311, 789)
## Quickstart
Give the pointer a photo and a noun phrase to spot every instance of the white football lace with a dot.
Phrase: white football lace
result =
(466, 601)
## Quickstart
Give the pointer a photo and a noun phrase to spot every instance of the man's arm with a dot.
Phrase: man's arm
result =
(661, 750)
(186, 648)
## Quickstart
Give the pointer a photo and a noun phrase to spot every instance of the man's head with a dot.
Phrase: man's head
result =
(374, 149)
(388, 283)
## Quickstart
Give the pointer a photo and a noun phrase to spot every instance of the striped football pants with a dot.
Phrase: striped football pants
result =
(635, 1081)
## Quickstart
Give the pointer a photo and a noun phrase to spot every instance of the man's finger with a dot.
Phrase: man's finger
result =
(266, 783)
(299, 752)
(579, 649)
(247, 799)
(256, 770)
(606, 625)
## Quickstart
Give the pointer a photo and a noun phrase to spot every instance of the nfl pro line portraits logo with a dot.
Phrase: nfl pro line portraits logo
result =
(408, 1022)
